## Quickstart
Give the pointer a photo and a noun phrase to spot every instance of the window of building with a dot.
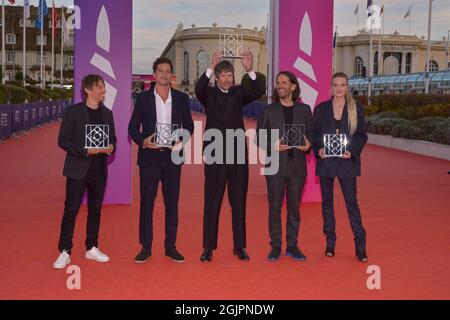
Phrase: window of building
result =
(186, 68)
(70, 60)
(433, 66)
(375, 64)
(10, 55)
(58, 24)
(29, 24)
(39, 57)
(202, 62)
(42, 39)
(408, 63)
(10, 38)
(358, 67)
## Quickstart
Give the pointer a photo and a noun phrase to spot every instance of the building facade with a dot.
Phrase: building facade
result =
(191, 49)
(400, 54)
(14, 45)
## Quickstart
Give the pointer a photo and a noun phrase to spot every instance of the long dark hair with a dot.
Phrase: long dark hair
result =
(293, 79)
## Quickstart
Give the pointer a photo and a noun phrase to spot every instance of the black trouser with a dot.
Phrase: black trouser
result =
(168, 173)
(348, 186)
(94, 183)
(293, 184)
(217, 177)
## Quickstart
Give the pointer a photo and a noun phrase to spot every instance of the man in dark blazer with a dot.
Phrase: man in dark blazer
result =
(85, 168)
(223, 105)
(160, 104)
(291, 175)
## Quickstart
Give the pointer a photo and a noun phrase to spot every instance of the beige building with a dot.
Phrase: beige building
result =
(191, 50)
(14, 45)
(400, 54)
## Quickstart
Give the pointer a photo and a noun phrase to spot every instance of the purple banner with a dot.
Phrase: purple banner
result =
(5, 121)
(41, 113)
(26, 124)
(33, 114)
(17, 111)
(103, 46)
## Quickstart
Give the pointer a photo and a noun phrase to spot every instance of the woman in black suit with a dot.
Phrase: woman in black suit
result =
(340, 115)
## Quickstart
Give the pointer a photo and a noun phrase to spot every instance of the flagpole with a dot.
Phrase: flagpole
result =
(53, 40)
(42, 45)
(24, 50)
(447, 51)
(379, 53)
(62, 45)
(370, 61)
(427, 65)
(3, 43)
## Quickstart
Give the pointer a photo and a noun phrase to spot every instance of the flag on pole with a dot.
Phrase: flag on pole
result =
(26, 4)
(53, 19)
(42, 12)
(382, 10)
(356, 10)
(65, 31)
(408, 13)
(369, 8)
(12, 1)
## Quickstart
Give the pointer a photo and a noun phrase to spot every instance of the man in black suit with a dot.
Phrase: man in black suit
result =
(160, 104)
(85, 168)
(223, 105)
(291, 175)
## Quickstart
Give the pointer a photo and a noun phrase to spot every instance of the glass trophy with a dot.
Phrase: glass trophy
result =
(335, 145)
(293, 135)
(97, 136)
(165, 134)
(231, 45)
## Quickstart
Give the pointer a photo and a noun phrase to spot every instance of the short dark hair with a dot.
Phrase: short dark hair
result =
(88, 82)
(223, 66)
(292, 79)
(162, 60)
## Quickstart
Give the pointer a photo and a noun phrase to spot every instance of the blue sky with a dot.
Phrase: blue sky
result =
(155, 21)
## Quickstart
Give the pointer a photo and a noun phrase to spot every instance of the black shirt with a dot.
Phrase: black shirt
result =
(289, 119)
(96, 117)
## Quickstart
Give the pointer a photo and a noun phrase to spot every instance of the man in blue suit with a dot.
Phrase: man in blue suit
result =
(160, 104)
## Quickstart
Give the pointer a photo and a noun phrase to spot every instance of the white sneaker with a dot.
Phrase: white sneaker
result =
(97, 255)
(62, 261)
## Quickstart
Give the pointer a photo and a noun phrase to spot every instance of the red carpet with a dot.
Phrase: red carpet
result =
(403, 198)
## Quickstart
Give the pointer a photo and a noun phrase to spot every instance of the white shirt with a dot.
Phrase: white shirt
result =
(163, 109)
(209, 72)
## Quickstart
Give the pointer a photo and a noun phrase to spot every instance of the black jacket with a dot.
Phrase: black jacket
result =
(144, 114)
(323, 123)
(224, 110)
(72, 139)
(272, 117)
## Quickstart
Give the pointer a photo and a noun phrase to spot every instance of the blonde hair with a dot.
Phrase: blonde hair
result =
(351, 105)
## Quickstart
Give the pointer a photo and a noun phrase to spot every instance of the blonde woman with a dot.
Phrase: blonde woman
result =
(340, 115)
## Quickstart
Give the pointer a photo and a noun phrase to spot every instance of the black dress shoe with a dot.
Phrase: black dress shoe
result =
(329, 252)
(274, 254)
(295, 253)
(175, 255)
(362, 256)
(241, 254)
(206, 256)
(143, 255)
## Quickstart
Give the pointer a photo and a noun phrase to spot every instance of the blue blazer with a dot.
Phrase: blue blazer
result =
(323, 123)
(144, 114)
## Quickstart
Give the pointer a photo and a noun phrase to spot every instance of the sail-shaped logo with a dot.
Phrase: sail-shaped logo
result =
(103, 39)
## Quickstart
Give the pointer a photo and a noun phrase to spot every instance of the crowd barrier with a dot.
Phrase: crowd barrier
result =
(16, 118)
